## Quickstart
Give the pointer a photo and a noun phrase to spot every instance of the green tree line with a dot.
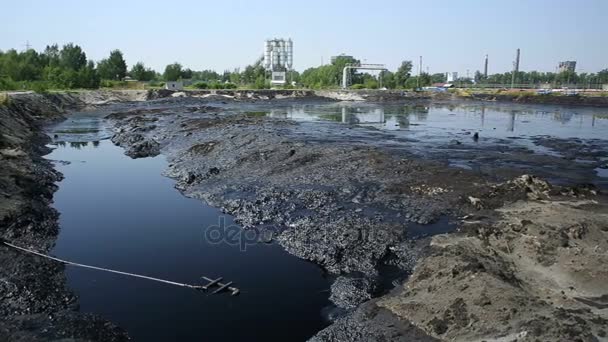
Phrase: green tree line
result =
(536, 77)
(68, 68)
(61, 68)
(330, 76)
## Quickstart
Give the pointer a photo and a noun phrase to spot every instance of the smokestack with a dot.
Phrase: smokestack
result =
(485, 68)
(515, 69)
(419, 73)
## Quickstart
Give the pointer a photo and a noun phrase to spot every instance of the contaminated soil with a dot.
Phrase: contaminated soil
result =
(498, 255)
(35, 303)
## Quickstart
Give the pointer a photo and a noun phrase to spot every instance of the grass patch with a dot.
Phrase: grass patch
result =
(463, 93)
(4, 99)
(526, 94)
(331, 117)
(122, 84)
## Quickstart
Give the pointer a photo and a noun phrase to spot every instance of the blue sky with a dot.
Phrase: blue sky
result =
(450, 35)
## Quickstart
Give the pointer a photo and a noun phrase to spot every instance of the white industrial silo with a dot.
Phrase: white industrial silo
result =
(275, 56)
(283, 50)
(267, 50)
(289, 54)
(278, 59)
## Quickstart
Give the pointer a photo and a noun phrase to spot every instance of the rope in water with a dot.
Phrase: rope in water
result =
(196, 287)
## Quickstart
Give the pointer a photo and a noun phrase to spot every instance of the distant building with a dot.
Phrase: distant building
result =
(278, 78)
(278, 59)
(451, 76)
(174, 85)
(334, 58)
(567, 66)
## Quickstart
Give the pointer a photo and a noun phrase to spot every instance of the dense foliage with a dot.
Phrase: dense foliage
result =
(535, 77)
(141, 73)
(330, 76)
(54, 68)
(68, 68)
(114, 67)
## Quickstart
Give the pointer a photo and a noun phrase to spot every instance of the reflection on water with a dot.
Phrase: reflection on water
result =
(81, 126)
(491, 120)
(121, 213)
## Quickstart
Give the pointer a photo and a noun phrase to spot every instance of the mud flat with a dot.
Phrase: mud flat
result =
(492, 255)
(583, 100)
(524, 263)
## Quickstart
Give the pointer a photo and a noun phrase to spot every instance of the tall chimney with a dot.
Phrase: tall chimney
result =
(485, 68)
(515, 69)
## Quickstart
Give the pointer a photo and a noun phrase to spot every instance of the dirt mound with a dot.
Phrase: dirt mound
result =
(538, 272)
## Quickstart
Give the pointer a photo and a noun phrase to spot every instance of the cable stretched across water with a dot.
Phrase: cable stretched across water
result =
(234, 290)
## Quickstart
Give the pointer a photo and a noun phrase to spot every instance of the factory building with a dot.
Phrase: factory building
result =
(174, 85)
(278, 59)
(567, 66)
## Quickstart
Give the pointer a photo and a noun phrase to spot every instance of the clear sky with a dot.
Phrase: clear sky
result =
(451, 35)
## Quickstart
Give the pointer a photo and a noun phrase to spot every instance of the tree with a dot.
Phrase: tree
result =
(337, 70)
(411, 83)
(438, 78)
(252, 73)
(205, 75)
(226, 76)
(261, 83)
(388, 79)
(141, 73)
(602, 76)
(88, 77)
(403, 73)
(235, 77)
(369, 81)
(72, 57)
(425, 80)
(51, 55)
(187, 74)
(114, 67)
(478, 77)
(173, 72)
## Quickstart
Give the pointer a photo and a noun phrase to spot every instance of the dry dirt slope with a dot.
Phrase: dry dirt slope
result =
(537, 273)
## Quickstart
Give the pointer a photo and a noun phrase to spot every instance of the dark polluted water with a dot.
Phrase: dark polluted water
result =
(120, 213)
